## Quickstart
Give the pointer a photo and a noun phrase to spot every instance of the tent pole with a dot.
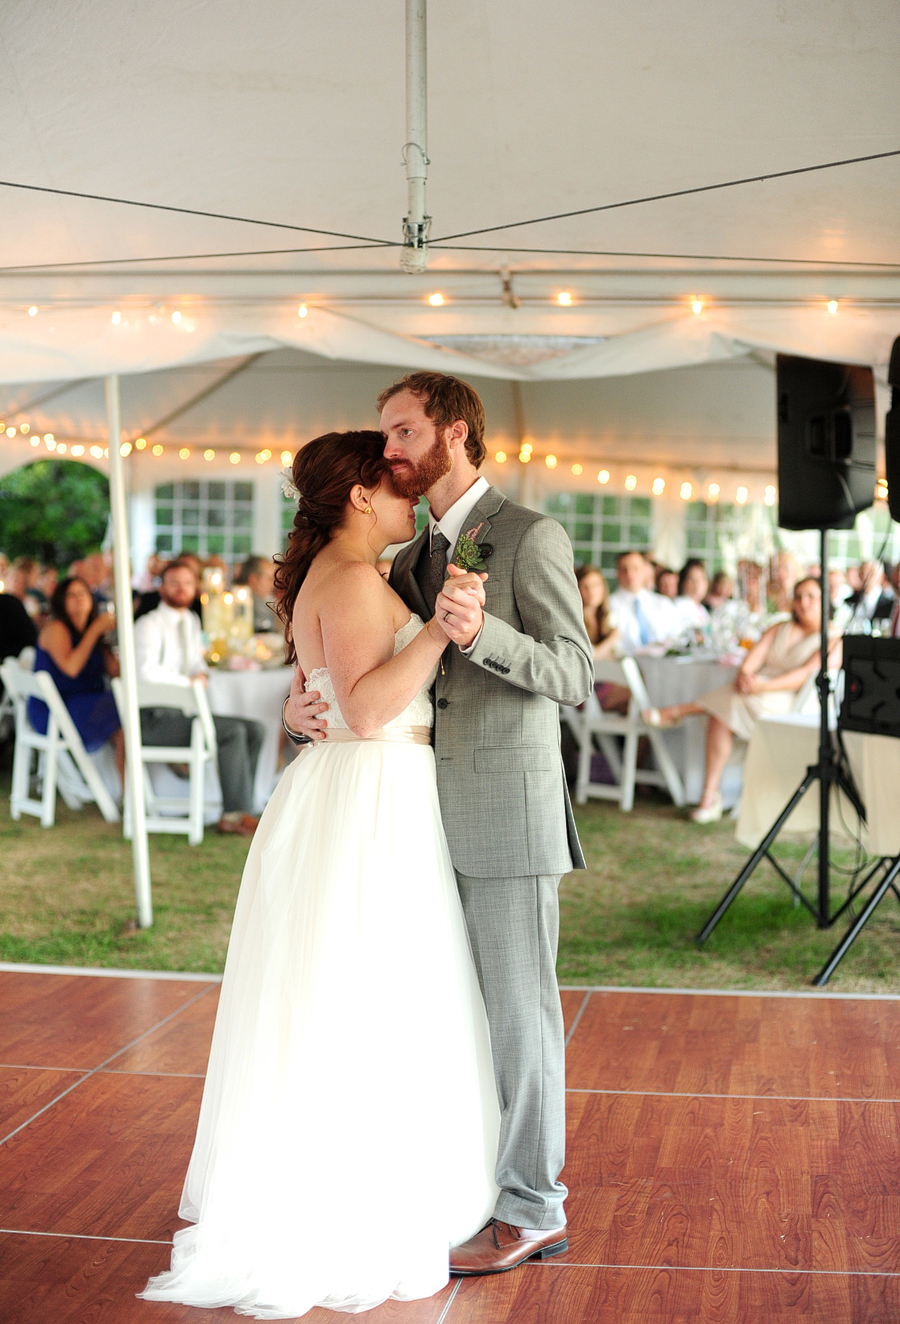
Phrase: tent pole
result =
(414, 253)
(134, 768)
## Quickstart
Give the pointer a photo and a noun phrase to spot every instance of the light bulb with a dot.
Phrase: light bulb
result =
(302, 310)
(564, 299)
(32, 311)
(603, 476)
(140, 444)
(209, 455)
(97, 452)
(10, 432)
(234, 457)
(116, 318)
(832, 306)
(500, 457)
(157, 449)
(48, 436)
(696, 307)
(631, 482)
(51, 444)
(35, 441)
(24, 428)
(525, 457)
(659, 486)
(577, 469)
(741, 495)
(286, 457)
(61, 448)
(125, 448)
(436, 300)
(686, 491)
(77, 450)
(713, 491)
(527, 447)
(550, 461)
(176, 316)
(184, 453)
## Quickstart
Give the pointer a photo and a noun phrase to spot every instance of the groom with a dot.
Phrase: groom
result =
(521, 649)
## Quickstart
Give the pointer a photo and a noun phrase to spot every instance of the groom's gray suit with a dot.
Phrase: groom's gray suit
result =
(508, 819)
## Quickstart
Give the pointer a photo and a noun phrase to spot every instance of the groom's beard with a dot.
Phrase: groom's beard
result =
(411, 480)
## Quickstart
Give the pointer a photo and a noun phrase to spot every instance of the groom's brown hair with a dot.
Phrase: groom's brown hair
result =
(445, 400)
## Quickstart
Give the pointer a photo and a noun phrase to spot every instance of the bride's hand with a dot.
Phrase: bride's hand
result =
(303, 708)
(458, 607)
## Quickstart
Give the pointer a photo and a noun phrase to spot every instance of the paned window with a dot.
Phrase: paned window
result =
(600, 527)
(210, 518)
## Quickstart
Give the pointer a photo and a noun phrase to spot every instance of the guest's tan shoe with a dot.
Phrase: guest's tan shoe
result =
(500, 1247)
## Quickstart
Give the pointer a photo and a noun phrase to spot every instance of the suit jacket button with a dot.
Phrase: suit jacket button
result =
(443, 703)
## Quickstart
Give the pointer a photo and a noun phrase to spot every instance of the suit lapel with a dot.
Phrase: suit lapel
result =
(403, 575)
(480, 513)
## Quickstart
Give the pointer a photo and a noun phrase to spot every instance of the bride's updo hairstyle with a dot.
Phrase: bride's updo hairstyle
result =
(324, 472)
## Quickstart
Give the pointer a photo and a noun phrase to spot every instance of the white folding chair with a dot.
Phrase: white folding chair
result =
(592, 721)
(63, 763)
(173, 813)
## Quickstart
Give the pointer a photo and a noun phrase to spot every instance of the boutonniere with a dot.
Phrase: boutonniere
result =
(469, 554)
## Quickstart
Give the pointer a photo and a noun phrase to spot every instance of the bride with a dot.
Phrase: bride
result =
(348, 1131)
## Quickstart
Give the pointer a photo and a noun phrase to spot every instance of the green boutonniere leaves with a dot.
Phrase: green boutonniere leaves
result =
(468, 554)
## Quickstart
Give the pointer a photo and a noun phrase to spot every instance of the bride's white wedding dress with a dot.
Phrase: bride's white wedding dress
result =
(348, 1131)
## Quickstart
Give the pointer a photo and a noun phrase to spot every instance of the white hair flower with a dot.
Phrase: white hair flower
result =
(288, 486)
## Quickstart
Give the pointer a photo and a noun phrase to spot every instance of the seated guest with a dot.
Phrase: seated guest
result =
(875, 599)
(150, 600)
(667, 582)
(168, 649)
(693, 586)
(70, 648)
(642, 616)
(258, 573)
(772, 673)
(721, 590)
(602, 632)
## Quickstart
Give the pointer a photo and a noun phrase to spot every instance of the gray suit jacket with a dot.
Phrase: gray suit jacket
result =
(500, 777)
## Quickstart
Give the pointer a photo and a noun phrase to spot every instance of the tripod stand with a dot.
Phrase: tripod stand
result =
(829, 773)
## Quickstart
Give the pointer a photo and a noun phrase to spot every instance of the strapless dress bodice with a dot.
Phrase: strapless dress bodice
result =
(418, 713)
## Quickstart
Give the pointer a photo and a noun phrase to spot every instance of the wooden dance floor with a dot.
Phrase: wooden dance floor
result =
(731, 1158)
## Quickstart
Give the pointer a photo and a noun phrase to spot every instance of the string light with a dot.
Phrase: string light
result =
(526, 447)
(61, 448)
(740, 496)
(713, 492)
(234, 457)
(262, 456)
(32, 311)
(769, 496)
(48, 436)
(78, 450)
(500, 457)
(603, 476)
(157, 450)
(116, 318)
(286, 457)
(564, 299)
(176, 316)
(659, 486)
(51, 445)
(97, 452)
(302, 310)
(832, 306)
(631, 482)
(125, 448)
(686, 491)
(577, 469)
(436, 300)
(10, 432)
(696, 307)
(881, 489)
(24, 428)
(525, 457)
(140, 444)
(35, 441)
(550, 461)
(209, 455)
(184, 453)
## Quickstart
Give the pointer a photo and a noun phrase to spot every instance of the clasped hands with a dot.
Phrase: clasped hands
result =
(747, 682)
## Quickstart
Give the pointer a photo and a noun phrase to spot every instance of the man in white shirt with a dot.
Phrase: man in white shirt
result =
(643, 617)
(168, 649)
(875, 600)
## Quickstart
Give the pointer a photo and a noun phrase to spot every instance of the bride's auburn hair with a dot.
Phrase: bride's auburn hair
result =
(324, 472)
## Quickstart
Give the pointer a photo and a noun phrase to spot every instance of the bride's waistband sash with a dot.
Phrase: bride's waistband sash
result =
(395, 735)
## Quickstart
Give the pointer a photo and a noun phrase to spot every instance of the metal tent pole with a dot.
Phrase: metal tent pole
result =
(134, 768)
(414, 253)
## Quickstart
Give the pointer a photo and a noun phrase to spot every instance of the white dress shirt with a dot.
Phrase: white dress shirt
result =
(167, 646)
(451, 522)
(661, 617)
(692, 614)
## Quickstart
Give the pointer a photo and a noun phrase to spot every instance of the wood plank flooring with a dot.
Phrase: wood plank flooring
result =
(730, 1158)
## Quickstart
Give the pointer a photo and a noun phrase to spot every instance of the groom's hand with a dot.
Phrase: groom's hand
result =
(302, 710)
(458, 606)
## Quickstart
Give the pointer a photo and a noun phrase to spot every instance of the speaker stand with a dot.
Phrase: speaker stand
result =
(829, 774)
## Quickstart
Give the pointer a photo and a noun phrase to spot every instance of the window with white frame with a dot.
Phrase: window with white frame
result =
(601, 526)
(209, 517)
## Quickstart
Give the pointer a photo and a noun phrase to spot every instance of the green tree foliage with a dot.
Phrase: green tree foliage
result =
(55, 510)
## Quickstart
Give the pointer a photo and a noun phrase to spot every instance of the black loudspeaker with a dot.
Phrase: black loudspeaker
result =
(826, 443)
(892, 434)
(871, 699)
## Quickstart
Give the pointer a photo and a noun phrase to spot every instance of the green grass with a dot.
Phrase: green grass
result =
(67, 898)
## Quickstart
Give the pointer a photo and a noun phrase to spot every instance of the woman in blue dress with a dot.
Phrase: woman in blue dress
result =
(70, 647)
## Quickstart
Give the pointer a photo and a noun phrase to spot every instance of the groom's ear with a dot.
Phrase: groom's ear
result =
(456, 434)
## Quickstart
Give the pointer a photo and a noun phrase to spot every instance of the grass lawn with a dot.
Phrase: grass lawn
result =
(67, 898)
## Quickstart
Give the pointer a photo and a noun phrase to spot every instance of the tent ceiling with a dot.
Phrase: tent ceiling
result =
(294, 113)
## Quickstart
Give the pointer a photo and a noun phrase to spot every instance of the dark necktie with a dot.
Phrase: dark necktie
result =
(439, 545)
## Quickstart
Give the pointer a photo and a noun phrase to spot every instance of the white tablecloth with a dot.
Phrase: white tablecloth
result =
(682, 680)
(777, 757)
(258, 695)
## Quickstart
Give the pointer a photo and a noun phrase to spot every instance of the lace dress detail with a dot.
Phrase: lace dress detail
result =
(419, 713)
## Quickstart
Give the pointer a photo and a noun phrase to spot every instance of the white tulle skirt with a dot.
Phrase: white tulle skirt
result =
(348, 1131)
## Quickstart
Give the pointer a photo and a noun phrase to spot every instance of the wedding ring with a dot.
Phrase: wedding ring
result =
(446, 615)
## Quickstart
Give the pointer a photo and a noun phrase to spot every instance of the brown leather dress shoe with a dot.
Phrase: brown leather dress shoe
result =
(500, 1247)
(237, 827)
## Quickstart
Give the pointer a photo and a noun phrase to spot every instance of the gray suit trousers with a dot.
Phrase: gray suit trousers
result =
(514, 928)
(239, 740)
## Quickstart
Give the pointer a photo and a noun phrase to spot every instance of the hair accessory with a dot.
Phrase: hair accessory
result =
(289, 487)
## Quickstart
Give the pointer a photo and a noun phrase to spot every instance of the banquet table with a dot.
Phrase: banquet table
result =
(257, 695)
(777, 758)
(682, 680)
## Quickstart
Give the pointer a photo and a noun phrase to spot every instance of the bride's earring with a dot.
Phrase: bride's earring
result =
(368, 510)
